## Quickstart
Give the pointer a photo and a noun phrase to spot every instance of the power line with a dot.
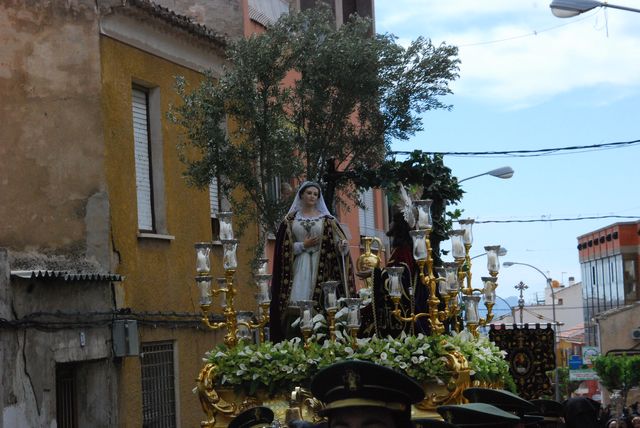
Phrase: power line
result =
(528, 153)
(547, 220)
(532, 33)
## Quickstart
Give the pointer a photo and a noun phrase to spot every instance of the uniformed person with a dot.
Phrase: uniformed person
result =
(478, 415)
(431, 423)
(507, 401)
(255, 417)
(552, 411)
(361, 394)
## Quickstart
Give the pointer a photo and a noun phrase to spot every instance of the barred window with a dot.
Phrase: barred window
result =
(158, 390)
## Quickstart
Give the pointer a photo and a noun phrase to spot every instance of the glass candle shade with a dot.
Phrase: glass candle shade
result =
(229, 259)
(307, 313)
(204, 287)
(423, 208)
(262, 267)
(449, 271)
(419, 238)
(244, 332)
(222, 285)
(203, 263)
(329, 289)
(489, 290)
(264, 291)
(226, 227)
(493, 260)
(353, 314)
(457, 244)
(471, 315)
(467, 226)
(395, 280)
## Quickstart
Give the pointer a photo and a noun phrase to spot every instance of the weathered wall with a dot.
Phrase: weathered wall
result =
(52, 182)
(31, 354)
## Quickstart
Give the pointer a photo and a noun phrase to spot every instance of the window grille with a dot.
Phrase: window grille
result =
(66, 404)
(158, 380)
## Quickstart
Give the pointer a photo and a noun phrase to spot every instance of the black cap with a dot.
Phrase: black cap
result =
(357, 383)
(549, 408)
(506, 401)
(477, 415)
(431, 423)
(255, 417)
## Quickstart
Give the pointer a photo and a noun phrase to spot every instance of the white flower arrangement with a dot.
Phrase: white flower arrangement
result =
(277, 367)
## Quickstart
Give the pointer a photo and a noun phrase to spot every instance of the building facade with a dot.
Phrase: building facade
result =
(610, 267)
(100, 317)
(100, 323)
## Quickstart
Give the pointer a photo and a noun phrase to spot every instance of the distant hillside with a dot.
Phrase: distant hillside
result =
(501, 307)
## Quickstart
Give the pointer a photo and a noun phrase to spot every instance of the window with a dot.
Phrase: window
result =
(158, 380)
(147, 140)
(367, 214)
(267, 12)
(214, 207)
(66, 401)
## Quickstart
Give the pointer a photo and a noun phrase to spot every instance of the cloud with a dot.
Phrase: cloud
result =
(517, 54)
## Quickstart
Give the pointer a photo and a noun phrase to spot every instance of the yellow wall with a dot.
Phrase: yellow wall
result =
(159, 273)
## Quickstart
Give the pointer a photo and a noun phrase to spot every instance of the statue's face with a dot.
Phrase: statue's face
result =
(310, 196)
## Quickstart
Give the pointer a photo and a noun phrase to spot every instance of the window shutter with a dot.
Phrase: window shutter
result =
(142, 159)
(214, 198)
(366, 214)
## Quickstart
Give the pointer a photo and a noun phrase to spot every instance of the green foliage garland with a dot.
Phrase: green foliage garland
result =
(275, 368)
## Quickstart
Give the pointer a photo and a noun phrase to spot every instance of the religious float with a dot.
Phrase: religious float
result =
(435, 341)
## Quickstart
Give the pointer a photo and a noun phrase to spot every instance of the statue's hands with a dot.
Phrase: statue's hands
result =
(311, 242)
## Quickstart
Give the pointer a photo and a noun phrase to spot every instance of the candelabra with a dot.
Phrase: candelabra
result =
(237, 326)
(451, 282)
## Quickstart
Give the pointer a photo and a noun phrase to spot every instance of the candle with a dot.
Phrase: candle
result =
(202, 262)
(420, 249)
(458, 248)
(306, 318)
(395, 286)
(205, 294)
(229, 259)
(423, 219)
(352, 320)
(226, 231)
(492, 261)
(467, 236)
(263, 266)
(331, 300)
(264, 292)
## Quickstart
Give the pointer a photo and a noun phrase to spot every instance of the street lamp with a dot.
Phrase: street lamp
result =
(501, 252)
(570, 8)
(553, 308)
(504, 172)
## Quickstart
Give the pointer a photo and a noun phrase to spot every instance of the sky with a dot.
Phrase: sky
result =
(528, 81)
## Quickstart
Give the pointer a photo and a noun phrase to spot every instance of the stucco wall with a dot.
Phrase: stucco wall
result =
(31, 352)
(159, 272)
(52, 180)
(615, 333)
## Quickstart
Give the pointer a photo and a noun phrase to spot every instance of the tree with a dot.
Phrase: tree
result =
(431, 179)
(351, 94)
(618, 372)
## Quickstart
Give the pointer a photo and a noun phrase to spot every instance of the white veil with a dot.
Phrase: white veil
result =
(321, 206)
